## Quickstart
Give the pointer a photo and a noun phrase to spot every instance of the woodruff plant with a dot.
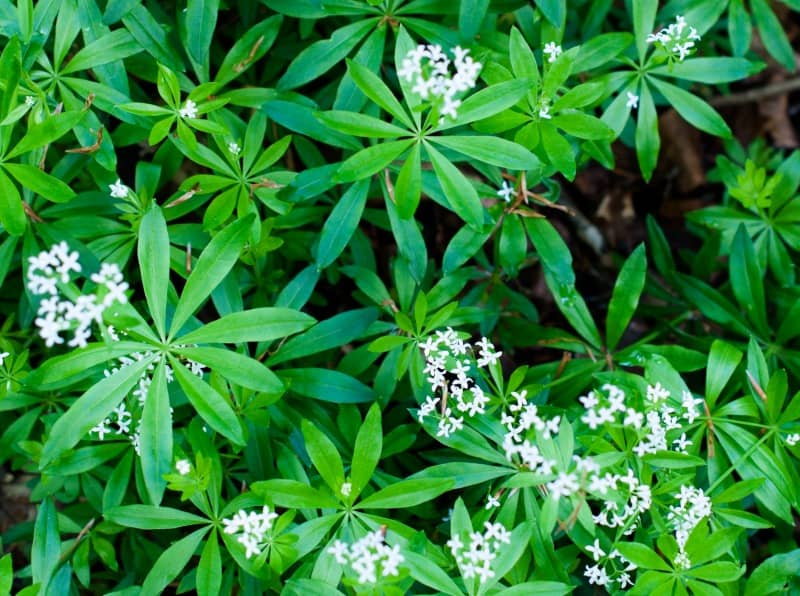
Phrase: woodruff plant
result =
(242, 258)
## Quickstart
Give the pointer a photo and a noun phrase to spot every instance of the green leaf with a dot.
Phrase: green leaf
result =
(6, 575)
(90, 408)
(560, 278)
(723, 359)
(64, 370)
(644, 19)
(367, 450)
(375, 89)
(152, 37)
(693, 109)
(153, 254)
(642, 556)
(249, 48)
(406, 493)
(492, 150)
(111, 47)
(625, 297)
(171, 562)
(324, 456)
(327, 385)
(341, 224)
(10, 72)
(156, 436)
(747, 280)
(151, 517)
(40, 182)
(47, 131)
(331, 333)
(200, 19)
(774, 575)
(12, 213)
(256, 324)
(718, 571)
(773, 34)
(371, 160)
(408, 188)
(460, 192)
(321, 56)
(46, 548)
(523, 62)
(488, 102)
(209, 569)
(707, 70)
(647, 140)
(211, 406)
(214, 263)
(360, 125)
(425, 571)
(284, 492)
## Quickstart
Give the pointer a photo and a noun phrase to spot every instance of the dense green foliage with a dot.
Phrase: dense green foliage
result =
(244, 248)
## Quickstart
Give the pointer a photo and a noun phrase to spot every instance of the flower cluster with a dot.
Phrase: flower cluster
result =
(428, 67)
(693, 506)
(677, 39)
(370, 557)
(56, 314)
(127, 416)
(475, 556)
(447, 364)
(253, 529)
(519, 418)
(599, 574)
(654, 424)
(189, 109)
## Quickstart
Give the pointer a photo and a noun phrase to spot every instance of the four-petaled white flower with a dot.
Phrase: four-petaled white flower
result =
(189, 109)
(118, 189)
(595, 550)
(234, 148)
(506, 191)
(492, 502)
(183, 466)
(633, 101)
(346, 489)
(553, 51)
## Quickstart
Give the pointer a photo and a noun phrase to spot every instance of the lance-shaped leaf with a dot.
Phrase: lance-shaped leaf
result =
(91, 407)
(491, 150)
(407, 493)
(151, 517)
(212, 407)
(236, 367)
(12, 213)
(625, 297)
(171, 562)
(214, 263)
(156, 436)
(285, 492)
(367, 450)
(153, 253)
(460, 193)
(256, 324)
(47, 131)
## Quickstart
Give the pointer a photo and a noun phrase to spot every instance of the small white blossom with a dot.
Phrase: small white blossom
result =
(253, 529)
(370, 557)
(3, 356)
(189, 109)
(492, 502)
(118, 190)
(793, 439)
(234, 148)
(633, 101)
(30, 100)
(183, 466)
(346, 489)
(553, 51)
(506, 191)
(595, 550)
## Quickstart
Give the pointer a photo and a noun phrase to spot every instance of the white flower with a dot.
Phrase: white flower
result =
(595, 550)
(633, 101)
(506, 191)
(118, 190)
(3, 356)
(793, 439)
(183, 466)
(544, 113)
(189, 109)
(553, 51)
(492, 502)
(346, 489)
(234, 148)
(30, 100)
(254, 528)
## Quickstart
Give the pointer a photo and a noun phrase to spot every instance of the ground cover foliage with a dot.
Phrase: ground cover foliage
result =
(315, 297)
